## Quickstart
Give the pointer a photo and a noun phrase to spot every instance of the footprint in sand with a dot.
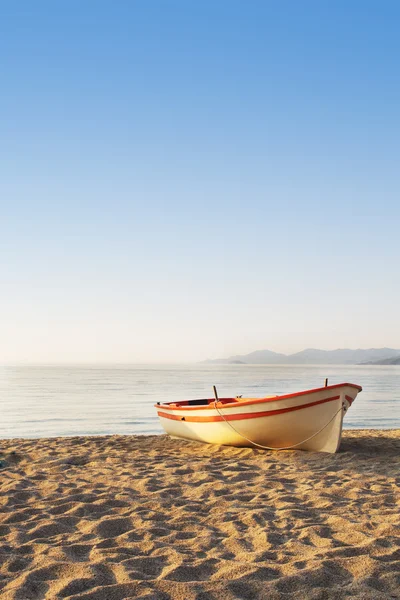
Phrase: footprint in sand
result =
(110, 528)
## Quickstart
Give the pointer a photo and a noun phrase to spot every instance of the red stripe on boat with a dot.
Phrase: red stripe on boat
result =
(240, 416)
(232, 402)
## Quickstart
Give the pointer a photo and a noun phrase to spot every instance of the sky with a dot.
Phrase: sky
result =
(189, 180)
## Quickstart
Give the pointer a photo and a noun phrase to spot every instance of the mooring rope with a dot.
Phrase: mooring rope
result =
(343, 407)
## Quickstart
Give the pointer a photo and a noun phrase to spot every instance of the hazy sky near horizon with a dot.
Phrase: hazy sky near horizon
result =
(187, 180)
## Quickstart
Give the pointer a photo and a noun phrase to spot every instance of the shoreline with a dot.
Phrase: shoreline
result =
(156, 435)
(109, 517)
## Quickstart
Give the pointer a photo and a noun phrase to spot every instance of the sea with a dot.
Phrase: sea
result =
(50, 401)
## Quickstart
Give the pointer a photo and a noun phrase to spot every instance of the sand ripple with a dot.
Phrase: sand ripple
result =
(154, 518)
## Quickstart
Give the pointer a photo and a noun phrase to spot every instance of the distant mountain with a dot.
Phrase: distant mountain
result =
(313, 356)
(259, 357)
(395, 360)
(342, 356)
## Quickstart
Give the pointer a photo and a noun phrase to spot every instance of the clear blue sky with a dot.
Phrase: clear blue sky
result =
(183, 180)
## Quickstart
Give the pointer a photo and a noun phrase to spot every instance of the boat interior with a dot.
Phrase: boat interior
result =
(204, 402)
(209, 402)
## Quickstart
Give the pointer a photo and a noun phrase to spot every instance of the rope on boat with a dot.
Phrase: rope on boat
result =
(343, 407)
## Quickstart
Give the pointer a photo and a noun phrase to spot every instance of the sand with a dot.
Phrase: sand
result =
(108, 518)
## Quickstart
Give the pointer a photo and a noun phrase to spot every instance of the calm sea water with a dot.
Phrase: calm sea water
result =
(40, 401)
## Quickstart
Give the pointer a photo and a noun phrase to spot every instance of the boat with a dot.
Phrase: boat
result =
(308, 420)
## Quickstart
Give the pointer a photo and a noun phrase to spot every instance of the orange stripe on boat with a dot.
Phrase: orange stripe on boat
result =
(349, 399)
(240, 416)
(234, 402)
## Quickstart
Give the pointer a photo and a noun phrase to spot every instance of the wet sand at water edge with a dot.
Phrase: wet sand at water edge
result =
(108, 518)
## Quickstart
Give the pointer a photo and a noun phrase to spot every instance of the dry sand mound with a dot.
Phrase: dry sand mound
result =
(154, 518)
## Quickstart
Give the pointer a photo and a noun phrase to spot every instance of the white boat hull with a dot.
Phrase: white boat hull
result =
(309, 420)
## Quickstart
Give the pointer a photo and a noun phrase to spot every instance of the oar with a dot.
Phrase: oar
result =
(215, 394)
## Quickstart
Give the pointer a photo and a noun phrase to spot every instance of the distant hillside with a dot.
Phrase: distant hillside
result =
(313, 356)
(259, 357)
(341, 356)
(395, 360)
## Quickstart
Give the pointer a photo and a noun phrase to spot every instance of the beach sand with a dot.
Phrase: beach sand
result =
(108, 518)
